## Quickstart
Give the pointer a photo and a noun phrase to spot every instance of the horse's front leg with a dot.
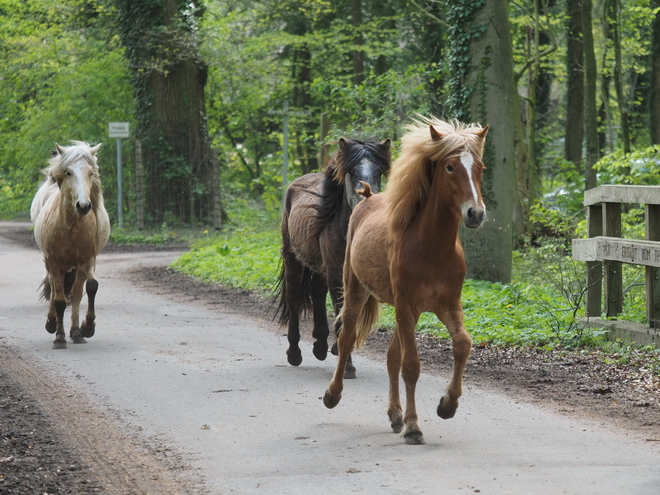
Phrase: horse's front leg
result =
(88, 327)
(76, 297)
(355, 298)
(410, 370)
(462, 346)
(56, 309)
(335, 285)
(394, 410)
(321, 331)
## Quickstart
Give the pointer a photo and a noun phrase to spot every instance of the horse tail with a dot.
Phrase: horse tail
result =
(281, 290)
(367, 318)
(69, 279)
(282, 294)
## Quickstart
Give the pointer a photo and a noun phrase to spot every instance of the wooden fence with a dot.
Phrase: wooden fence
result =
(605, 251)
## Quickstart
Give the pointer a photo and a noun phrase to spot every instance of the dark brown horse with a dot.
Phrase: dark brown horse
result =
(317, 208)
(403, 250)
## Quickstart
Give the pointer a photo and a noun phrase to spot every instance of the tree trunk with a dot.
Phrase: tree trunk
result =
(574, 130)
(613, 17)
(169, 79)
(488, 249)
(590, 109)
(306, 146)
(358, 54)
(654, 110)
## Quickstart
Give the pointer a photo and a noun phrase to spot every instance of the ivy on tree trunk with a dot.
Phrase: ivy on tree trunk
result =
(169, 76)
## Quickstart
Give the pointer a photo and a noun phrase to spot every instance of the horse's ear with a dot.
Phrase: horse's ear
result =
(342, 144)
(96, 148)
(60, 150)
(435, 135)
(387, 143)
(483, 132)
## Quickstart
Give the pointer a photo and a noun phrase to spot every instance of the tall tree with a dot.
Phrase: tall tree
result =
(169, 79)
(590, 109)
(358, 41)
(484, 90)
(574, 130)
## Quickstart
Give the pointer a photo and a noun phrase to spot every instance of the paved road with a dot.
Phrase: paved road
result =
(214, 387)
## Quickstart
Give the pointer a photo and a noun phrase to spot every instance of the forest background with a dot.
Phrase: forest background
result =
(206, 82)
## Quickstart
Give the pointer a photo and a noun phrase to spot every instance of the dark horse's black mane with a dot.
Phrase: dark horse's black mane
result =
(350, 154)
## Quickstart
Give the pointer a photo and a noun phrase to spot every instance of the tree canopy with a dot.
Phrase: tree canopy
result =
(585, 74)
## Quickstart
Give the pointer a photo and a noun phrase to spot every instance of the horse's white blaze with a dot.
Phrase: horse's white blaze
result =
(468, 160)
(361, 170)
(82, 193)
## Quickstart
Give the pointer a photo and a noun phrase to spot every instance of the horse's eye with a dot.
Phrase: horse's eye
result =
(67, 173)
(450, 168)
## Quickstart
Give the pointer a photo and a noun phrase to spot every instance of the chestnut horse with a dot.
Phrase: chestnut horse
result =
(403, 250)
(314, 224)
(71, 227)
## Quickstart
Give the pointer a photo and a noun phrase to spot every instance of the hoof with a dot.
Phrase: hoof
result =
(51, 325)
(294, 358)
(414, 437)
(330, 400)
(87, 329)
(396, 422)
(59, 345)
(349, 372)
(320, 350)
(334, 350)
(447, 408)
(78, 340)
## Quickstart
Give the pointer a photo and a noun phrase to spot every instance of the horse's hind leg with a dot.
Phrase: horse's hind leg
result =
(88, 326)
(321, 330)
(293, 278)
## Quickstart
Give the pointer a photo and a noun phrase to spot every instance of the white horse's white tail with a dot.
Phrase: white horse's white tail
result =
(48, 186)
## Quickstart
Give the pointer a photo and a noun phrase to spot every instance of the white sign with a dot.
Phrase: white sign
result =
(118, 129)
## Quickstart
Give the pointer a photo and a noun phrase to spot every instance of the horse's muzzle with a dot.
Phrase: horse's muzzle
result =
(474, 216)
(83, 208)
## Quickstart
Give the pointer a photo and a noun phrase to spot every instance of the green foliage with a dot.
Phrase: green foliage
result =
(62, 77)
(641, 167)
(245, 259)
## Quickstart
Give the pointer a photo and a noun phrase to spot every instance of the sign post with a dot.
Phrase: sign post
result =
(285, 112)
(118, 130)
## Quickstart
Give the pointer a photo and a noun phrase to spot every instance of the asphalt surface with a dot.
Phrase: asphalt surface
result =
(214, 387)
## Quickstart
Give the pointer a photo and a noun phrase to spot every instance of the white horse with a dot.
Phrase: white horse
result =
(71, 227)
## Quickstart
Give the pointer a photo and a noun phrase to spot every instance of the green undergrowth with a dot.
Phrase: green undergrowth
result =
(542, 307)
(519, 313)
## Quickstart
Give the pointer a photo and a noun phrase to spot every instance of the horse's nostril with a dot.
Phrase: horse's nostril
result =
(83, 208)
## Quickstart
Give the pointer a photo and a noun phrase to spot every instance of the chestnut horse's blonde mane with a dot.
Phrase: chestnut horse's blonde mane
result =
(409, 182)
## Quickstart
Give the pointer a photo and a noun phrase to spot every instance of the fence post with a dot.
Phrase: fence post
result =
(652, 221)
(612, 269)
(594, 268)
